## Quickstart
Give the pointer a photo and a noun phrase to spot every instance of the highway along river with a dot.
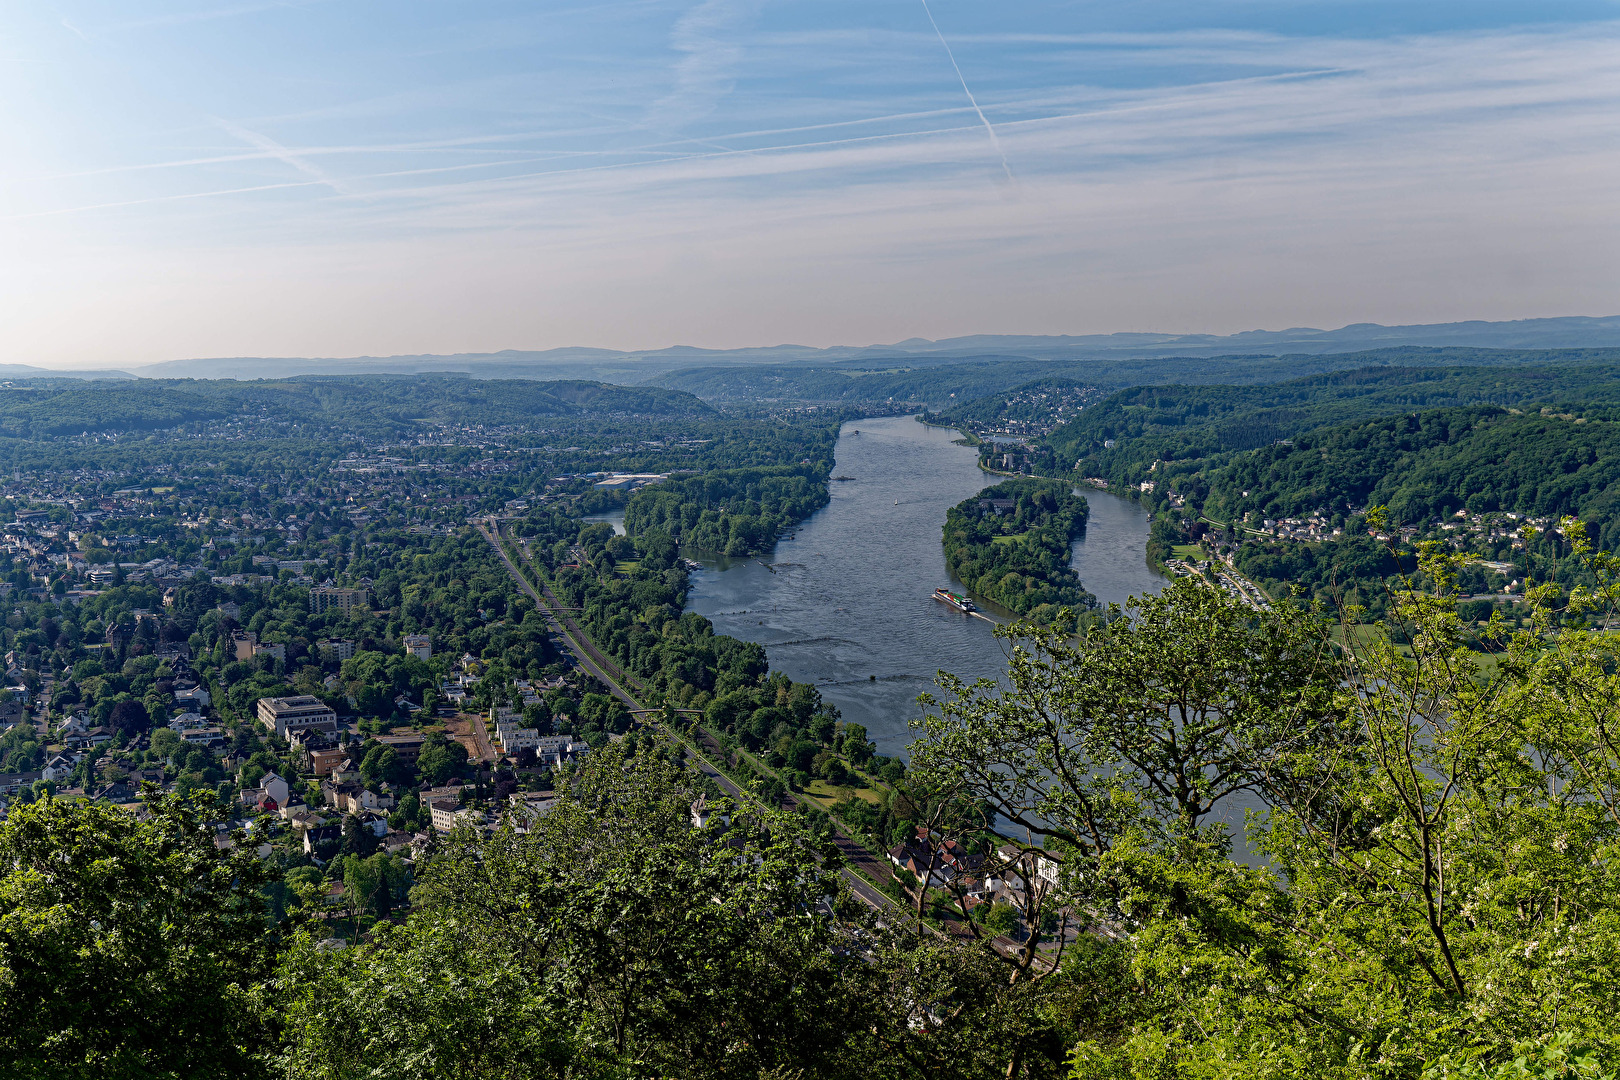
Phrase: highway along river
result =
(846, 602)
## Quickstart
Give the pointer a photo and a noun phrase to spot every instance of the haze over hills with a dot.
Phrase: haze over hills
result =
(616, 365)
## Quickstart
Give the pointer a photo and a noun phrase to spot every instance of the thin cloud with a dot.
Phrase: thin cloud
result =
(275, 150)
(1251, 178)
(707, 39)
(163, 199)
(182, 18)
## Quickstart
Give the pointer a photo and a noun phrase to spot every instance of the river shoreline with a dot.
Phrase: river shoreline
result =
(845, 600)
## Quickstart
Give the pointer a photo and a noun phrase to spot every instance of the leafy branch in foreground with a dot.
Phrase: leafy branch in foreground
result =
(1438, 826)
(130, 948)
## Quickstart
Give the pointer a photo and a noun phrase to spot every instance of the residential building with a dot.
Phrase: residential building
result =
(703, 813)
(324, 760)
(275, 649)
(301, 713)
(513, 739)
(334, 651)
(555, 749)
(329, 598)
(243, 642)
(408, 747)
(274, 787)
(529, 807)
(321, 834)
(337, 789)
(84, 740)
(429, 796)
(447, 814)
(351, 797)
(11, 783)
(935, 862)
(419, 645)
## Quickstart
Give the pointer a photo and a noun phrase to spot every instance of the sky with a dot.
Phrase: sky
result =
(354, 177)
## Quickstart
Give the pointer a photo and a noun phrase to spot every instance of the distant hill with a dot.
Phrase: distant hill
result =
(1571, 332)
(1184, 422)
(350, 405)
(26, 371)
(961, 383)
(614, 365)
(1027, 410)
(1427, 465)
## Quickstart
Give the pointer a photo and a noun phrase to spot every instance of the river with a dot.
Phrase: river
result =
(846, 602)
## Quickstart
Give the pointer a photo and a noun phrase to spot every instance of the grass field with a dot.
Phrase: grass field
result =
(1008, 539)
(825, 794)
(1190, 552)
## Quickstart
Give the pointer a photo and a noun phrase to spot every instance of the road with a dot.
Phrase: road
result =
(858, 860)
(584, 653)
(854, 854)
(480, 737)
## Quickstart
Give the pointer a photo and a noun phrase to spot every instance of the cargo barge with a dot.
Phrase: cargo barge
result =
(956, 600)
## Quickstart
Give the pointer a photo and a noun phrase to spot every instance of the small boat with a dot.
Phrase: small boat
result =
(956, 600)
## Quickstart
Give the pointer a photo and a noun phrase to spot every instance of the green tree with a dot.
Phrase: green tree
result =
(614, 939)
(1149, 720)
(129, 947)
(382, 764)
(441, 758)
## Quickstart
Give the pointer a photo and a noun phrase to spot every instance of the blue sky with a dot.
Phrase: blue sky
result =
(337, 177)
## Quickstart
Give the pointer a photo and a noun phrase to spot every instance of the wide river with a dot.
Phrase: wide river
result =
(846, 602)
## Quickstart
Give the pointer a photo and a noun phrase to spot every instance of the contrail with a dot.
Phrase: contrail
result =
(995, 142)
(282, 154)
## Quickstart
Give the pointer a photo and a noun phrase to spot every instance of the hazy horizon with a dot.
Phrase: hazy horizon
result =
(340, 179)
(836, 345)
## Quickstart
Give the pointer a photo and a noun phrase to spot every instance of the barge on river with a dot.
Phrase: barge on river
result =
(956, 600)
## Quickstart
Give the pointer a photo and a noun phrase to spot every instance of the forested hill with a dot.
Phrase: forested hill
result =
(1429, 465)
(1179, 423)
(868, 383)
(380, 405)
(934, 380)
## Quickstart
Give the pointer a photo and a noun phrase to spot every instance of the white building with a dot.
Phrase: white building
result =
(274, 787)
(419, 646)
(302, 713)
(513, 739)
(529, 807)
(447, 814)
